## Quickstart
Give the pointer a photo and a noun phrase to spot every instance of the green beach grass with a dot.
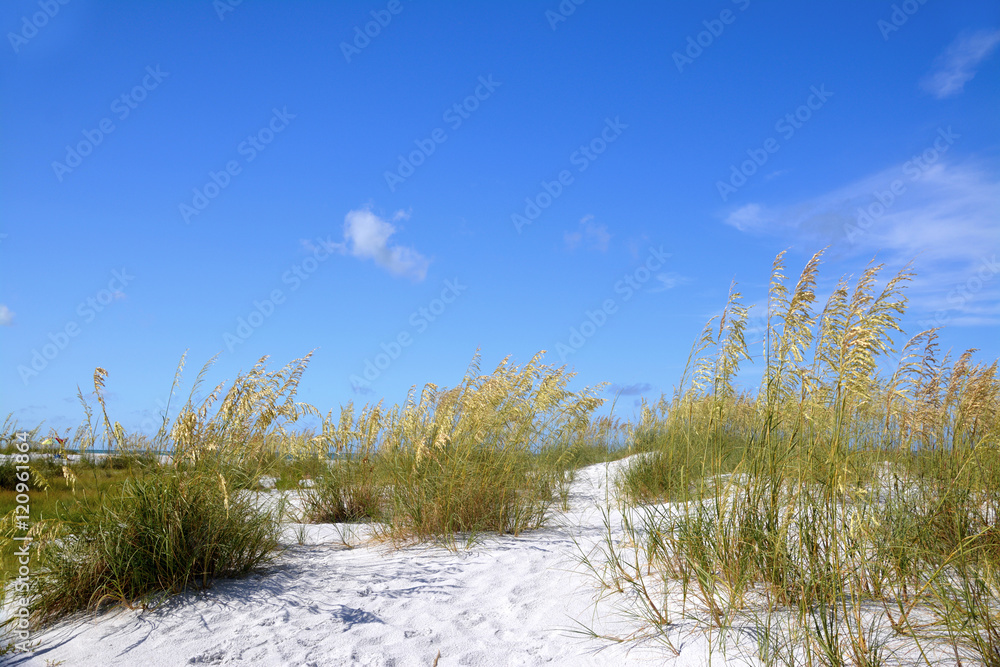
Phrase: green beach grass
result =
(846, 513)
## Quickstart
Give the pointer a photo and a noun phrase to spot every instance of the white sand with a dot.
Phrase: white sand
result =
(506, 601)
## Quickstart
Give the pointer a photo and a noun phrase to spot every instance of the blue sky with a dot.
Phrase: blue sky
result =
(396, 184)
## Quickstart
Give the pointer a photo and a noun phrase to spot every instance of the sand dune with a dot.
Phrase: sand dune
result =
(505, 601)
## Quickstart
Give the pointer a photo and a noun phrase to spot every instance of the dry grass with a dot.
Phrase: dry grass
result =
(167, 527)
(840, 514)
(484, 456)
(844, 516)
(489, 455)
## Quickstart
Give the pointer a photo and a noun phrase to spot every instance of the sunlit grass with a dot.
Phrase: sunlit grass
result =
(842, 514)
(177, 509)
(56, 497)
(850, 518)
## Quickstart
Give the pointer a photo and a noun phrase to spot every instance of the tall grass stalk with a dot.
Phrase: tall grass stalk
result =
(170, 527)
(487, 455)
(858, 511)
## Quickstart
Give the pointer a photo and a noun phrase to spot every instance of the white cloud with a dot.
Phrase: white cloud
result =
(957, 65)
(594, 235)
(366, 236)
(943, 217)
(746, 217)
(669, 280)
(6, 316)
(636, 389)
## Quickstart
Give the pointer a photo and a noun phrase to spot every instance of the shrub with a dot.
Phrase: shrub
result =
(468, 489)
(161, 533)
(8, 475)
(40, 471)
(347, 491)
(466, 458)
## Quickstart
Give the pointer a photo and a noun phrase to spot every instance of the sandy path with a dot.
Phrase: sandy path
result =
(506, 601)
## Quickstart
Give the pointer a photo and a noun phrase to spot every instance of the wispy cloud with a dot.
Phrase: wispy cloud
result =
(629, 389)
(947, 211)
(6, 316)
(746, 217)
(366, 236)
(668, 280)
(957, 65)
(589, 233)
(944, 216)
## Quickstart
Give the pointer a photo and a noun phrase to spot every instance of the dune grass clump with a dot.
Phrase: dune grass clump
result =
(8, 476)
(161, 533)
(166, 527)
(348, 490)
(674, 461)
(595, 440)
(842, 516)
(181, 508)
(246, 427)
(463, 460)
(466, 490)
